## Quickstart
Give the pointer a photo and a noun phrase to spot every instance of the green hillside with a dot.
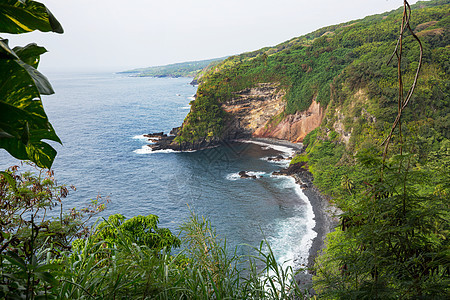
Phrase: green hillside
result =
(184, 69)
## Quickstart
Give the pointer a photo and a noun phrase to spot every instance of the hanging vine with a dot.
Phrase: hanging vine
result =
(403, 99)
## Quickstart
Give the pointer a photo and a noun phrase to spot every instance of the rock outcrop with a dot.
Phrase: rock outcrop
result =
(252, 108)
(294, 127)
(252, 112)
(293, 169)
(244, 174)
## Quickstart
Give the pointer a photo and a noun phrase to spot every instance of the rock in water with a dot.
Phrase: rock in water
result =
(244, 174)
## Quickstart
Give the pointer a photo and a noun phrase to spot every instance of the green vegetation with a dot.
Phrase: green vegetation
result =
(185, 69)
(298, 158)
(393, 236)
(315, 66)
(23, 122)
(32, 244)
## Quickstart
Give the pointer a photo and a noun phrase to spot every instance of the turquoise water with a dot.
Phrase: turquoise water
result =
(101, 119)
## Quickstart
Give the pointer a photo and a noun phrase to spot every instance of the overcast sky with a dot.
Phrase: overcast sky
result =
(115, 35)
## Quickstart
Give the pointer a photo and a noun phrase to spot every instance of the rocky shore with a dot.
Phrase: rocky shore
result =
(324, 213)
(162, 141)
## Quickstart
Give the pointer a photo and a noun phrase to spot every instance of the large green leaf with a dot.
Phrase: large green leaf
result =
(23, 121)
(30, 54)
(41, 153)
(5, 51)
(43, 85)
(24, 16)
(17, 122)
(28, 58)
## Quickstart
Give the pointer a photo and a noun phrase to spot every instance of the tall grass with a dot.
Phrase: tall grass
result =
(204, 268)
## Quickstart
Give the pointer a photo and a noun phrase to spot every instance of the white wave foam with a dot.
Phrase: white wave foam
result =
(147, 150)
(257, 174)
(288, 250)
(143, 137)
(185, 107)
(236, 176)
(283, 162)
(289, 151)
(233, 176)
(310, 234)
(285, 182)
(140, 137)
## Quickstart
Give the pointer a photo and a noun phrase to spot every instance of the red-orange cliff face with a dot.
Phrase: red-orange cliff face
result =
(294, 127)
(254, 111)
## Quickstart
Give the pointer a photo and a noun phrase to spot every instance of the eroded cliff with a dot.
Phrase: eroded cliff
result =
(259, 112)
(293, 127)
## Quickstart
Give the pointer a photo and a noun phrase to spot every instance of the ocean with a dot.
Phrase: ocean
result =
(101, 119)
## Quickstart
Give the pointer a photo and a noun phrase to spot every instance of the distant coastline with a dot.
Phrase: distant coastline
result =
(185, 69)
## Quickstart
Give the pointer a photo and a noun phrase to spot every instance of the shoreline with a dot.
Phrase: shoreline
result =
(323, 215)
(324, 212)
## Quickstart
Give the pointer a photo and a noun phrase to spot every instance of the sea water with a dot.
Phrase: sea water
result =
(101, 120)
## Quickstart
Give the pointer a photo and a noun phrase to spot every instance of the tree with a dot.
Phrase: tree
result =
(23, 121)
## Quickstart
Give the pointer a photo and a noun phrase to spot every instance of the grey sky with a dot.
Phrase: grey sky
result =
(115, 35)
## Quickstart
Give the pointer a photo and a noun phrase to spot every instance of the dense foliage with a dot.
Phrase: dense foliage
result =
(32, 242)
(393, 239)
(393, 236)
(392, 242)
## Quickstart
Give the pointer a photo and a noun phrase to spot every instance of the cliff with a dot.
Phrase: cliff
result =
(251, 109)
(334, 91)
(259, 112)
(334, 79)
(293, 127)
